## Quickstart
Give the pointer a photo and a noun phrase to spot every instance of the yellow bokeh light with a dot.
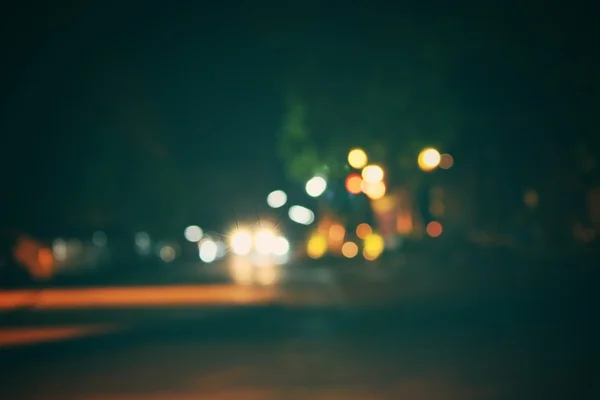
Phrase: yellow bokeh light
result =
(349, 250)
(384, 205)
(316, 246)
(374, 191)
(429, 159)
(372, 173)
(374, 246)
(363, 230)
(357, 158)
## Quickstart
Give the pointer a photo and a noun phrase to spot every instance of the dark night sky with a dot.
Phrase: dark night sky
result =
(209, 78)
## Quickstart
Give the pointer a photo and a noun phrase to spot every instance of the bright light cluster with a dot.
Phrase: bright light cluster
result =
(264, 242)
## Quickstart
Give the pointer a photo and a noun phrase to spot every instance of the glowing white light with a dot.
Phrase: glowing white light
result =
(301, 215)
(193, 233)
(241, 242)
(316, 186)
(208, 250)
(264, 241)
(281, 246)
(277, 199)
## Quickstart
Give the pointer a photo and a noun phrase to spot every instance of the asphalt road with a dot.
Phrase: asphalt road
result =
(450, 331)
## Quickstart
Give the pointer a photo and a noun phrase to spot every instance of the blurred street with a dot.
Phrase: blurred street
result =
(406, 331)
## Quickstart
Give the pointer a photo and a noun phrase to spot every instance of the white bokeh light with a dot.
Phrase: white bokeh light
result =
(281, 246)
(301, 215)
(241, 242)
(316, 186)
(193, 233)
(277, 199)
(264, 241)
(208, 250)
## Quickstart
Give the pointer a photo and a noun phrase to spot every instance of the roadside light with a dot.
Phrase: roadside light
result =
(429, 159)
(357, 158)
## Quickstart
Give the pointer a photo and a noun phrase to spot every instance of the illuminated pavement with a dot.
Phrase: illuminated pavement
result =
(315, 337)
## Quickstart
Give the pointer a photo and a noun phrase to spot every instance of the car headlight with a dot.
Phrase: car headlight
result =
(241, 242)
(264, 241)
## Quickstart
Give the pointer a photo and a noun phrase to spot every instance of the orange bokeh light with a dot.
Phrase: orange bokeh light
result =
(434, 229)
(337, 233)
(363, 230)
(354, 183)
(349, 249)
(446, 161)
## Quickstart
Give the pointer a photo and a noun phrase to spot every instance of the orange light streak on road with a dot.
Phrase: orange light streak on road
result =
(136, 297)
(22, 336)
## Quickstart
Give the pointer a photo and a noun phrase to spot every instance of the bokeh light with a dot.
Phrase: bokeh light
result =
(531, 198)
(301, 215)
(276, 199)
(354, 183)
(264, 241)
(207, 250)
(241, 242)
(374, 246)
(434, 229)
(99, 239)
(357, 158)
(316, 246)
(446, 161)
(372, 173)
(281, 246)
(363, 230)
(429, 159)
(374, 191)
(385, 204)
(193, 233)
(349, 249)
(316, 186)
(337, 233)
(167, 253)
